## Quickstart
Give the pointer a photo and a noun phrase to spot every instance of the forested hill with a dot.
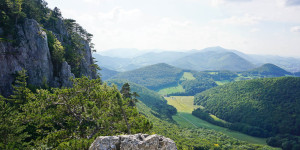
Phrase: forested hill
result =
(52, 49)
(271, 104)
(153, 77)
(153, 100)
(268, 70)
(213, 60)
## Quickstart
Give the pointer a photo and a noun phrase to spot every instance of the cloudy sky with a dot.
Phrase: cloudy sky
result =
(251, 26)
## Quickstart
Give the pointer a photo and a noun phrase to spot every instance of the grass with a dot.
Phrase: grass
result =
(182, 103)
(187, 76)
(178, 88)
(222, 82)
(218, 119)
(184, 106)
(170, 90)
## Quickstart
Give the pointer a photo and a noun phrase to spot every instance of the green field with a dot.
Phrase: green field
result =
(178, 88)
(171, 90)
(222, 82)
(187, 76)
(184, 106)
(182, 103)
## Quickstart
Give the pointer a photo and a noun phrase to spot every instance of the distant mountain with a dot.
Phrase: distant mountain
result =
(271, 104)
(123, 52)
(113, 63)
(154, 76)
(297, 74)
(269, 70)
(213, 60)
(158, 57)
(107, 73)
(288, 63)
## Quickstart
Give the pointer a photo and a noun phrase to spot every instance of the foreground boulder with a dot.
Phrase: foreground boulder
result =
(133, 142)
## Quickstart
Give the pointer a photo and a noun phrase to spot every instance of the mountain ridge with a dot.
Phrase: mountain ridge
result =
(173, 58)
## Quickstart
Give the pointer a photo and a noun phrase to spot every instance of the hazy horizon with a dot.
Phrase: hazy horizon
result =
(251, 26)
(183, 50)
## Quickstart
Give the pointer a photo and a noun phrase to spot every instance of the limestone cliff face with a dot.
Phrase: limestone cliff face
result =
(133, 142)
(33, 54)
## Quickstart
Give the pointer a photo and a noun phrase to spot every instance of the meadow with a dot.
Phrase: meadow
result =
(184, 118)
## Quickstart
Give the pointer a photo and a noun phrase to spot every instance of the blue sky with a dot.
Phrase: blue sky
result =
(251, 26)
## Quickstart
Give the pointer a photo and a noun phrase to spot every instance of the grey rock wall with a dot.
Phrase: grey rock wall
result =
(133, 142)
(33, 54)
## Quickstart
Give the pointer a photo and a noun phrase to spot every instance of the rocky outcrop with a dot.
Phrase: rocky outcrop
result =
(133, 142)
(32, 53)
(65, 75)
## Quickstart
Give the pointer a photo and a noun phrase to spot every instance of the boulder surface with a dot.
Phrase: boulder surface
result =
(133, 142)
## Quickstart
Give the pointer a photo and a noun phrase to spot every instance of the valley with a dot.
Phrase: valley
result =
(184, 117)
(59, 90)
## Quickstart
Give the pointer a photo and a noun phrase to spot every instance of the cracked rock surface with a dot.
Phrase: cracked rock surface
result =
(133, 142)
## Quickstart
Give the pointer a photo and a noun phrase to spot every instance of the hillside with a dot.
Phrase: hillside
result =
(154, 76)
(287, 63)
(270, 104)
(213, 60)
(150, 98)
(107, 73)
(268, 70)
(191, 138)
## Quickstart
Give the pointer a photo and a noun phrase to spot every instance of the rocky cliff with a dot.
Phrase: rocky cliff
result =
(133, 142)
(32, 53)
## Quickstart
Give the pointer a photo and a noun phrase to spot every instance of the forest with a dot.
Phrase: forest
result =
(153, 77)
(249, 105)
(59, 118)
(71, 117)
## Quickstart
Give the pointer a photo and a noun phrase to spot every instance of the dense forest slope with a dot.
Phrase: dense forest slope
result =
(268, 70)
(150, 98)
(194, 139)
(271, 104)
(107, 73)
(153, 77)
(41, 41)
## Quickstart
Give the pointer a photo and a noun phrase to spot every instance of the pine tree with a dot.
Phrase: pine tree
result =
(21, 92)
(126, 91)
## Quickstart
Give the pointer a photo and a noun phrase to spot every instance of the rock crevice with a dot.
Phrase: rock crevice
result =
(133, 142)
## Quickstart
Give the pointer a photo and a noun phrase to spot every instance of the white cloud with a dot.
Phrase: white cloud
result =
(237, 24)
(219, 2)
(95, 2)
(255, 30)
(240, 20)
(295, 29)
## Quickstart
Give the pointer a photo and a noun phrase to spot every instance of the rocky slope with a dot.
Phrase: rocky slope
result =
(32, 53)
(133, 142)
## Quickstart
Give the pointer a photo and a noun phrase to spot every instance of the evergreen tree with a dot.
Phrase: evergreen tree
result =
(126, 90)
(11, 127)
(21, 92)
